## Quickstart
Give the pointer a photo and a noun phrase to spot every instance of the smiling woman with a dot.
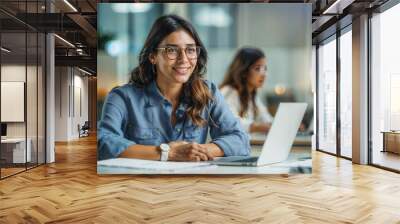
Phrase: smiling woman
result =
(167, 108)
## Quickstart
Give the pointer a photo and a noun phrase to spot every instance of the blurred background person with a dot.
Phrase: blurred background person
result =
(245, 75)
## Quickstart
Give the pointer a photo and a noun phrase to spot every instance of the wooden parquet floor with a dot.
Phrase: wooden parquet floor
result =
(70, 191)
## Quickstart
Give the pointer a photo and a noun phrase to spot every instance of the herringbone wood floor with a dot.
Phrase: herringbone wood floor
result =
(70, 191)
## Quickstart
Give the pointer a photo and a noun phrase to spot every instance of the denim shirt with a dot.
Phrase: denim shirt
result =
(133, 115)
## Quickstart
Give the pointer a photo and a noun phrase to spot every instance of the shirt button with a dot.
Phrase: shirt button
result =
(178, 129)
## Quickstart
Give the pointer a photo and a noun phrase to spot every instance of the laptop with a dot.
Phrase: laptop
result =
(278, 142)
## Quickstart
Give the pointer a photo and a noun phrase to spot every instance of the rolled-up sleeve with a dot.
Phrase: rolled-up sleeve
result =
(110, 138)
(225, 128)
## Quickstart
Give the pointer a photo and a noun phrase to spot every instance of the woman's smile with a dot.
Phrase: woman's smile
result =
(182, 70)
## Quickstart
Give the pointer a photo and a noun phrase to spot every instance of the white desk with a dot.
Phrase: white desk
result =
(16, 147)
(299, 161)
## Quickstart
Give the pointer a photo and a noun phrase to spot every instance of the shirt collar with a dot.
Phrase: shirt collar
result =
(154, 97)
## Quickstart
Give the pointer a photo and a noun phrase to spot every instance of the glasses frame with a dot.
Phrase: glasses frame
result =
(261, 70)
(198, 49)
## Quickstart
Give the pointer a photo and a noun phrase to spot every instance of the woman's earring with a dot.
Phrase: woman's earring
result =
(154, 69)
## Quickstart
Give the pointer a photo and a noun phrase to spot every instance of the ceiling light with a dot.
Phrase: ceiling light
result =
(5, 49)
(213, 16)
(70, 5)
(65, 41)
(132, 7)
(115, 47)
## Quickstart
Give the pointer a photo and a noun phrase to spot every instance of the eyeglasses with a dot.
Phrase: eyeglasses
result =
(173, 52)
(260, 69)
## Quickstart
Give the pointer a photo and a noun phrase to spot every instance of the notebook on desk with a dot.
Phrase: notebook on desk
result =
(278, 142)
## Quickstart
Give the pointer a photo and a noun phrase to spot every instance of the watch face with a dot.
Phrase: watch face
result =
(164, 147)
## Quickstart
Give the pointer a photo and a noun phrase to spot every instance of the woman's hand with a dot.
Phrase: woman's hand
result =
(184, 151)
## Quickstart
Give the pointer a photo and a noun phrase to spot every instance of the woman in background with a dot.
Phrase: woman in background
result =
(245, 75)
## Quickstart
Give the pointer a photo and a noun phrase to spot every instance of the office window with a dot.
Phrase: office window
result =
(327, 95)
(215, 23)
(124, 41)
(119, 45)
(346, 92)
(385, 84)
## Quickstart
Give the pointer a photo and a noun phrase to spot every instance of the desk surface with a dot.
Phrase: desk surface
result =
(299, 161)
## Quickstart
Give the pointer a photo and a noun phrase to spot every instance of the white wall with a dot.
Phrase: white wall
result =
(70, 84)
(81, 104)
(33, 127)
(17, 73)
(62, 81)
(14, 73)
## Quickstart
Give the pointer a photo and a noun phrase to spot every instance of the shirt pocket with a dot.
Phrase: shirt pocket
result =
(192, 134)
(142, 135)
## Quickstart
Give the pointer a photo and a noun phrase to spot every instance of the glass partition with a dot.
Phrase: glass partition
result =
(22, 90)
(346, 93)
(13, 94)
(327, 95)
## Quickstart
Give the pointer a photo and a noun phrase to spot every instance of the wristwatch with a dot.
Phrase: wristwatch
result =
(164, 152)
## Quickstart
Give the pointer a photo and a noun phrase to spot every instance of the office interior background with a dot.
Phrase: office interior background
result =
(67, 59)
(280, 30)
(49, 75)
(47, 81)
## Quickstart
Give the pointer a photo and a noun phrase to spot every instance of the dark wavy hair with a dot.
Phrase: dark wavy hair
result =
(195, 91)
(238, 74)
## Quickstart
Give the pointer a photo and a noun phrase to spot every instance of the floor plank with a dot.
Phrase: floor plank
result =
(70, 191)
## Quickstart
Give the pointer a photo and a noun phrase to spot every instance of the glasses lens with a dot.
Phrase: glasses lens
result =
(191, 52)
(260, 69)
(173, 52)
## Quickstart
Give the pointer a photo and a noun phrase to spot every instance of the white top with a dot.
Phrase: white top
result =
(231, 96)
